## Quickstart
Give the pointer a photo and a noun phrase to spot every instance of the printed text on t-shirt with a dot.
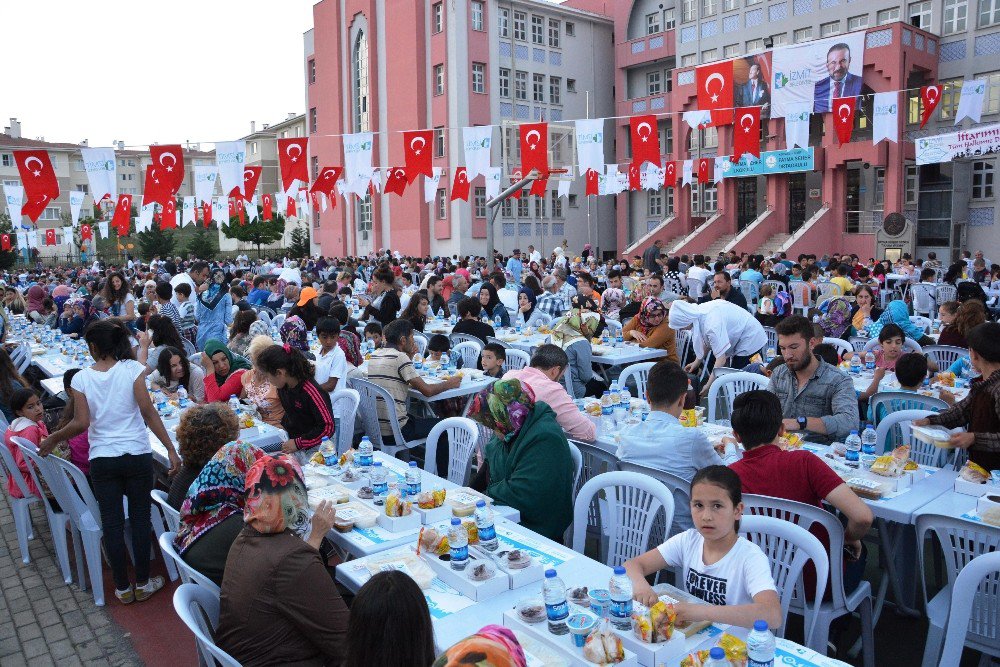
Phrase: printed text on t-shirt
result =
(710, 589)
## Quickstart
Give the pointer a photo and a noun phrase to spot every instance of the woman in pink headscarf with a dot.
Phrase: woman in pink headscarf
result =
(36, 294)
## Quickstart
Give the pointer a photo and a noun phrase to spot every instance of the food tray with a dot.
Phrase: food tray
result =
(968, 488)
(934, 435)
(462, 501)
(409, 563)
(363, 516)
(460, 581)
(335, 493)
(561, 643)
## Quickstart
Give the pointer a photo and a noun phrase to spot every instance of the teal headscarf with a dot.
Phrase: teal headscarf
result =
(896, 313)
(236, 362)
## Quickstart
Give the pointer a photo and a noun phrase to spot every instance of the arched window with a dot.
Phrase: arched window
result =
(360, 75)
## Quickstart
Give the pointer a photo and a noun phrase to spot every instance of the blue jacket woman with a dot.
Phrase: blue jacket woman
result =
(214, 310)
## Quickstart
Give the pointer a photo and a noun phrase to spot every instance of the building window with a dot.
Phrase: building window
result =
(520, 85)
(829, 29)
(442, 204)
(438, 142)
(478, 78)
(857, 22)
(51, 213)
(555, 90)
(574, 202)
(570, 29)
(361, 92)
(653, 83)
(879, 186)
(780, 39)
(539, 208)
(503, 21)
(437, 21)
(688, 9)
(669, 21)
(554, 33)
(537, 29)
(704, 196)
(314, 166)
(538, 87)
(312, 123)
(884, 16)
(253, 148)
(982, 179)
(913, 107)
(956, 13)
(920, 14)
(654, 204)
(507, 208)
(131, 163)
(731, 51)
(520, 32)
(951, 90)
(690, 59)
(709, 8)
(477, 15)
(522, 206)
(992, 102)
(910, 185)
(708, 55)
(755, 45)
(730, 5)
(7, 160)
(802, 35)
(669, 201)
(557, 204)
(439, 79)
(754, 2)
(504, 82)
(989, 13)
(570, 85)
(312, 70)
(479, 202)
(667, 138)
(653, 24)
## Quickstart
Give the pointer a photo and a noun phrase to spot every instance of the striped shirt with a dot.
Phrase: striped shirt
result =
(392, 370)
(186, 313)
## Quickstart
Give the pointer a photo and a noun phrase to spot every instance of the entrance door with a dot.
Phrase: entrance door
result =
(796, 202)
(746, 201)
(852, 203)
(934, 207)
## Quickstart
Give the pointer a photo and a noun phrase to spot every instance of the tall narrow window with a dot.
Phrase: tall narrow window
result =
(361, 91)
(477, 15)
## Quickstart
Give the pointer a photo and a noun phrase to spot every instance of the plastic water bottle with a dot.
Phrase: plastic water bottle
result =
(870, 361)
(365, 453)
(160, 400)
(234, 403)
(853, 455)
(440, 313)
(182, 397)
(556, 607)
(607, 404)
(615, 397)
(869, 440)
(485, 525)
(380, 484)
(621, 599)
(329, 452)
(626, 397)
(445, 361)
(717, 657)
(760, 646)
(497, 323)
(413, 479)
(458, 540)
(770, 354)
(855, 364)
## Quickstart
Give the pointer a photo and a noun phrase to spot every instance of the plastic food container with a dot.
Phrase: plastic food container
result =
(580, 625)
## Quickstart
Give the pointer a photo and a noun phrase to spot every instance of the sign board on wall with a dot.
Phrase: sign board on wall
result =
(770, 162)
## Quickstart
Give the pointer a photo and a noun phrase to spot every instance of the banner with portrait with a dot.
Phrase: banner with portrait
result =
(750, 77)
(817, 72)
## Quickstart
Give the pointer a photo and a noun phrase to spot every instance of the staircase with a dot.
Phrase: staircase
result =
(712, 251)
(773, 244)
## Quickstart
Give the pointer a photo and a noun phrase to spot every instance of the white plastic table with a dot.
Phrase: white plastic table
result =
(605, 355)
(469, 388)
(262, 435)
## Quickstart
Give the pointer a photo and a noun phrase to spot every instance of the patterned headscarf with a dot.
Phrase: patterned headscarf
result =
(217, 493)
(651, 314)
(258, 328)
(896, 313)
(504, 407)
(576, 325)
(217, 288)
(492, 646)
(294, 333)
(836, 317)
(612, 301)
(276, 496)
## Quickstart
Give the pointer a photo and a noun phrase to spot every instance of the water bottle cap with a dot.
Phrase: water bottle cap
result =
(607, 392)
(377, 464)
(455, 521)
(854, 432)
(760, 626)
(717, 653)
(413, 464)
(232, 396)
(480, 503)
(868, 425)
(550, 573)
(619, 570)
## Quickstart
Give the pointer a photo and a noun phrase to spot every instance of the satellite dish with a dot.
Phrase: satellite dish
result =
(894, 224)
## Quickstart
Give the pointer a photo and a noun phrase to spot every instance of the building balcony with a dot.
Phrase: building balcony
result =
(646, 49)
(641, 105)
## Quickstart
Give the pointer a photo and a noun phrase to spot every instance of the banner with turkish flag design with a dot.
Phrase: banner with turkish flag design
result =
(50, 237)
(292, 160)
(268, 206)
(715, 90)
(251, 175)
(290, 209)
(326, 181)
(645, 140)
(843, 117)
(157, 189)
(535, 147)
(4, 241)
(123, 214)
(460, 186)
(35, 206)
(515, 176)
(930, 96)
(168, 218)
(171, 159)
(206, 213)
(232, 208)
(396, 181)
(706, 167)
(538, 187)
(86, 232)
(634, 177)
(592, 187)
(746, 133)
(417, 153)
(39, 180)
(670, 174)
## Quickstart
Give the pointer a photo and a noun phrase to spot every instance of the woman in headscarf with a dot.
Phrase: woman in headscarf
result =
(36, 295)
(223, 371)
(492, 306)
(836, 318)
(214, 308)
(348, 341)
(492, 646)
(294, 334)
(573, 333)
(897, 313)
(527, 314)
(587, 248)
(650, 328)
(527, 465)
(864, 311)
(672, 281)
(279, 604)
(257, 390)
(612, 302)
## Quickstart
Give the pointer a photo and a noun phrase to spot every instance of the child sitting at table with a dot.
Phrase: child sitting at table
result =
(373, 334)
(492, 359)
(28, 424)
(79, 445)
(729, 573)
(331, 363)
(439, 344)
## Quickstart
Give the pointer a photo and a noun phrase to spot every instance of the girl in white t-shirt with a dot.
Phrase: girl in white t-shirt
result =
(111, 403)
(728, 572)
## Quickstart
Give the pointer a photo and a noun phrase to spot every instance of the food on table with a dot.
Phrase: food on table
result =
(343, 525)
(593, 409)
(946, 379)
(892, 465)
(975, 473)
(579, 595)
(866, 488)
(790, 442)
(347, 457)
(428, 500)
(351, 475)
(481, 571)
(531, 611)
(432, 541)
(396, 506)
(735, 648)
(604, 647)
(317, 458)
(655, 624)
(473, 530)
(366, 493)
(463, 501)
(911, 465)
(517, 559)
(991, 516)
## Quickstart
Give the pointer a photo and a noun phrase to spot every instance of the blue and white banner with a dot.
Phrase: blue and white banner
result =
(230, 157)
(885, 124)
(477, 142)
(770, 162)
(99, 163)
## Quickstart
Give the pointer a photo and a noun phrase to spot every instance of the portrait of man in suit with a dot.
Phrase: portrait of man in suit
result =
(839, 83)
(754, 92)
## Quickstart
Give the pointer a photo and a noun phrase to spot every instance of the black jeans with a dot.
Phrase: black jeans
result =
(131, 476)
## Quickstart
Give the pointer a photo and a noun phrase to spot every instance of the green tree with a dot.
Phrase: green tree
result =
(299, 245)
(200, 245)
(155, 242)
(7, 257)
(257, 232)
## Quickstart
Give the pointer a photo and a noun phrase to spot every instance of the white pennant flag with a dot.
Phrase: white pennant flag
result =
(68, 237)
(621, 184)
(797, 124)
(563, 188)
(688, 172)
(492, 182)
(14, 196)
(651, 176)
(717, 172)
(251, 208)
(220, 211)
(188, 216)
(358, 161)
(32, 238)
(144, 221)
(885, 121)
(376, 179)
(590, 144)
(477, 142)
(75, 204)
(22, 240)
(304, 208)
(99, 163)
(697, 118)
(970, 102)
(102, 227)
(431, 184)
(230, 157)
(204, 184)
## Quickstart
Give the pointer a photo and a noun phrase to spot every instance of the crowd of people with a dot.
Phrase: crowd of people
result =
(207, 329)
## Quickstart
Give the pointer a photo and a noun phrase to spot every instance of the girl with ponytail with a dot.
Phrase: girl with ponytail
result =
(308, 417)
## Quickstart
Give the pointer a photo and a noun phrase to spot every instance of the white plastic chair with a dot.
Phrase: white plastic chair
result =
(26, 360)
(189, 575)
(370, 396)
(345, 401)
(777, 285)
(772, 338)
(59, 521)
(801, 296)
(19, 507)
(493, 340)
(199, 609)
(638, 373)
(975, 607)
(841, 602)
(922, 322)
(160, 515)
(458, 338)
(730, 386)
(695, 288)
(843, 347)
(894, 430)
(895, 401)
(469, 353)
(629, 506)
(961, 541)
(682, 343)
(679, 487)
(924, 299)
(577, 456)
(859, 343)
(277, 321)
(946, 293)
(462, 434)
(909, 345)
(515, 360)
(421, 342)
(171, 517)
(788, 547)
(542, 319)
(751, 293)
(944, 355)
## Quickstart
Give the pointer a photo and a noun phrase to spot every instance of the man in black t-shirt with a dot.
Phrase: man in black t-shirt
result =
(469, 310)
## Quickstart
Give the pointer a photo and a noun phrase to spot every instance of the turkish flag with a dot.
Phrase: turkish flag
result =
(241, 212)
(232, 208)
(251, 175)
(592, 186)
(157, 188)
(538, 187)
(715, 90)
(396, 182)
(535, 147)
(268, 207)
(417, 151)
(86, 233)
(34, 207)
(171, 159)
(326, 181)
(670, 174)
(634, 176)
(168, 219)
(843, 117)
(746, 133)
(929, 98)
(706, 169)
(5, 242)
(50, 237)
(645, 140)
(292, 160)
(206, 213)
(290, 209)
(123, 214)
(515, 176)
(460, 187)
(37, 176)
